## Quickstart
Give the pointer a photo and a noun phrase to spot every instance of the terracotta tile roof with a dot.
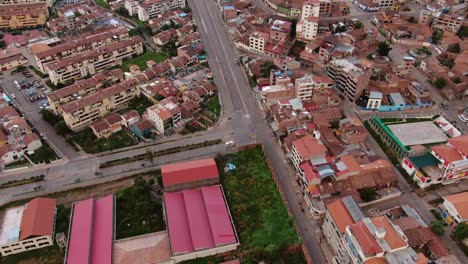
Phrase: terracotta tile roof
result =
(377, 260)
(447, 153)
(366, 240)
(308, 147)
(340, 215)
(392, 237)
(460, 202)
(38, 218)
(460, 143)
(420, 236)
(144, 125)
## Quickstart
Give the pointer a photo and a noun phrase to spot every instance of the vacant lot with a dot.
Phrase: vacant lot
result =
(138, 212)
(88, 141)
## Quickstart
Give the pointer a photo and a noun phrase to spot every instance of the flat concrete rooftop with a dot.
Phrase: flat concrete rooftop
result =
(418, 133)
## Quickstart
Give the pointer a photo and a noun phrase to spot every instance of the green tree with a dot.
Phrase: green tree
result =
(438, 227)
(266, 69)
(358, 25)
(368, 194)
(61, 128)
(122, 11)
(383, 48)
(20, 68)
(461, 232)
(463, 32)
(340, 29)
(436, 36)
(440, 82)
(2, 44)
(412, 20)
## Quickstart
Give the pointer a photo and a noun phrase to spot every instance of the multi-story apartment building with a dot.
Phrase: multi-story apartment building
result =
(310, 28)
(83, 88)
(84, 42)
(455, 208)
(152, 8)
(132, 7)
(325, 7)
(448, 22)
(453, 159)
(28, 227)
(340, 214)
(307, 149)
(350, 78)
(13, 16)
(375, 240)
(81, 112)
(19, 2)
(257, 41)
(164, 116)
(280, 30)
(310, 8)
(306, 86)
(11, 58)
(93, 61)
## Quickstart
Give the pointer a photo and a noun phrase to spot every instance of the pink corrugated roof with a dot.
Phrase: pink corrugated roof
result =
(79, 241)
(198, 219)
(177, 221)
(199, 224)
(218, 215)
(101, 250)
(189, 171)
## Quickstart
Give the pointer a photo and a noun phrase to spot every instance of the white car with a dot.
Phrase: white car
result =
(13, 96)
(229, 143)
(464, 116)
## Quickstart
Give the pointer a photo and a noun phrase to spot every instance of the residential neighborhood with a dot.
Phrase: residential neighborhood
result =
(234, 131)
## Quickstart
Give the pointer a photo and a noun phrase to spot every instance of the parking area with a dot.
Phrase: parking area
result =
(190, 77)
(32, 89)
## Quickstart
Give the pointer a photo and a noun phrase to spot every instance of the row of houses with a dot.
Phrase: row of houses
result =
(23, 14)
(17, 138)
(146, 10)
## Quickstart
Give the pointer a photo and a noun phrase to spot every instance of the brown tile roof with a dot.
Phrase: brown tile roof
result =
(308, 147)
(420, 236)
(340, 215)
(460, 143)
(392, 237)
(448, 153)
(38, 218)
(460, 202)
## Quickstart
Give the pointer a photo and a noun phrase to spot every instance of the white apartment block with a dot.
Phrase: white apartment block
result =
(164, 116)
(257, 42)
(448, 22)
(310, 28)
(306, 86)
(80, 113)
(94, 61)
(18, 2)
(132, 7)
(152, 8)
(310, 8)
(350, 79)
(82, 43)
(340, 213)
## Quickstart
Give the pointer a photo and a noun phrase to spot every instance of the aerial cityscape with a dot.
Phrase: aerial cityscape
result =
(233, 131)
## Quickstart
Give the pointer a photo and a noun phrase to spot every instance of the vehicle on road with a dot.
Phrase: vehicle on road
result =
(463, 116)
(230, 143)
(13, 96)
(235, 60)
(444, 106)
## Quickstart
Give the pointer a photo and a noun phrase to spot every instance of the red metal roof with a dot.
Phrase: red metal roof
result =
(190, 171)
(79, 241)
(198, 219)
(101, 247)
(38, 218)
(91, 232)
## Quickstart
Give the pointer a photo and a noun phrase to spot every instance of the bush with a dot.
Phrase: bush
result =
(440, 82)
(461, 232)
(368, 195)
(438, 227)
(384, 48)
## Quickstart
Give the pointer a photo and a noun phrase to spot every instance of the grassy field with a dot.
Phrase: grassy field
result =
(213, 105)
(17, 164)
(136, 212)
(91, 144)
(142, 59)
(258, 210)
(102, 3)
(140, 104)
(43, 154)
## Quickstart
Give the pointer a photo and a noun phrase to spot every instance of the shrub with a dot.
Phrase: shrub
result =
(440, 82)
(438, 227)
